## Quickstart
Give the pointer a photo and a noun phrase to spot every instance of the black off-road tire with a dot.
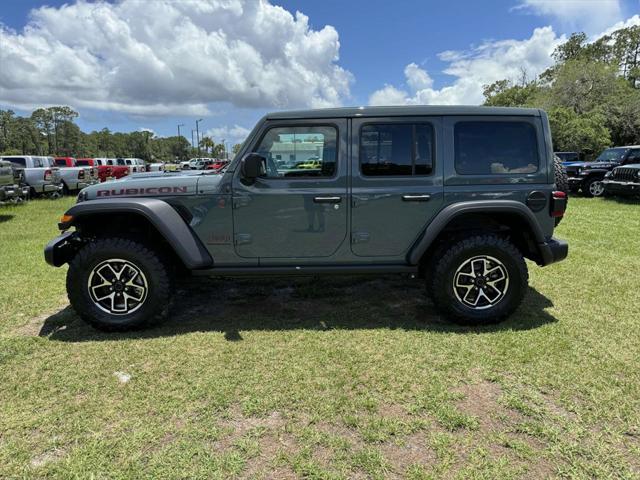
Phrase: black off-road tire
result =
(561, 179)
(560, 173)
(441, 279)
(155, 306)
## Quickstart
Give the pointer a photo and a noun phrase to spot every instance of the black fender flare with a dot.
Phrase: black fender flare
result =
(450, 212)
(160, 214)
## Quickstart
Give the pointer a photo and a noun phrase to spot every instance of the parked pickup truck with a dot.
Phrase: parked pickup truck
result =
(115, 171)
(39, 173)
(74, 178)
(12, 188)
(458, 196)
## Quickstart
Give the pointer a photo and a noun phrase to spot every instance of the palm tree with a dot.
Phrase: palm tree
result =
(207, 143)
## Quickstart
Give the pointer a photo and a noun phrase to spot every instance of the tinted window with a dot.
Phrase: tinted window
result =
(490, 148)
(307, 151)
(612, 155)
(396, 149)
(83, 163)
(61, 163)
(17, 161)
(634, 155)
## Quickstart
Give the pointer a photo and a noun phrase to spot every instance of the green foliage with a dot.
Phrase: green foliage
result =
(578, 133)
(592, 93)
(52, 131)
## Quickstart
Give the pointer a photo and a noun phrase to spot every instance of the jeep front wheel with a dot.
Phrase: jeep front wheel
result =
(479, 280)
(593, 188)
(118, 284)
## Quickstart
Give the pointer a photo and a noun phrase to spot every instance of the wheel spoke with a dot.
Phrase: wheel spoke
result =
(485, 286)
(125, 284)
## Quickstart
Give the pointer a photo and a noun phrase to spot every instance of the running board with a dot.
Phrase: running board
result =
(307, 270)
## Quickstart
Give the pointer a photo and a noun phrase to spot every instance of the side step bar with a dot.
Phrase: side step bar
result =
(307, 270)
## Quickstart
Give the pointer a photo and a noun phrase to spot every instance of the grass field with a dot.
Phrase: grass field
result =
(347, 378)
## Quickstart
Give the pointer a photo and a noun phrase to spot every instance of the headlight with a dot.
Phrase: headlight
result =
(579, 171)
(608, 174)
(82, 196)
(638, 174)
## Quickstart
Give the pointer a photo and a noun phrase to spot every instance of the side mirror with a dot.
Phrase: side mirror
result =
(253, 166)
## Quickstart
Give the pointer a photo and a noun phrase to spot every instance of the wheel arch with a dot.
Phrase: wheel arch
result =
(124, 215)
(498, 216)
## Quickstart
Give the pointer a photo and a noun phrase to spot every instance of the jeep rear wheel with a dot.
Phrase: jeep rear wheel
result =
(479, 280)
(118, 284)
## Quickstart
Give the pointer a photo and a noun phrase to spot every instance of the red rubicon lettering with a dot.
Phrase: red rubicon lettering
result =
(141, 191)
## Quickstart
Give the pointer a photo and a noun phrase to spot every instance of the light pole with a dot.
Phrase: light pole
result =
(181, 149)
(198, 135)
(192, 144)
(224, 149)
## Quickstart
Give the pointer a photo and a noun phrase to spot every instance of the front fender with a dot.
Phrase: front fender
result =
(159, 214)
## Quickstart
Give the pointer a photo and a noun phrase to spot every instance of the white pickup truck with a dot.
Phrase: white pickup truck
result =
(74, 177)
(39, 175)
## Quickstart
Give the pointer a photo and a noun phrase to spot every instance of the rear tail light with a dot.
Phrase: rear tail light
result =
(48, 175)
(80, 174)
(558, 204)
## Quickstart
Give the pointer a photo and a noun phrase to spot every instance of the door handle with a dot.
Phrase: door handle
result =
(327, 199)
(416, 198)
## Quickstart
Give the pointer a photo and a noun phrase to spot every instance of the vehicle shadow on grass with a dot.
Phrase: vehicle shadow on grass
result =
(231, 306)
(5, 218)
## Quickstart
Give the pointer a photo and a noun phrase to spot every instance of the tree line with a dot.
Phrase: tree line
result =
(591, 93)
(53, 131)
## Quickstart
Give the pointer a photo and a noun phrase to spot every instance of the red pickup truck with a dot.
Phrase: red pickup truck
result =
(107, 169)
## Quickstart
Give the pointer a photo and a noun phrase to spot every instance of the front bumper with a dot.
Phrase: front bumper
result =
(575, 182)
(9, 192)
(621, 188)
(61, 249)
(552, 251)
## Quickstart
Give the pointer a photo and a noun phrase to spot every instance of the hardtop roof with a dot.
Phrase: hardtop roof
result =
(405, 110)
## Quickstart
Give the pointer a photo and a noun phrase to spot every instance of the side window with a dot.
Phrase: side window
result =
(396, 149)
(305, 151)
(61, 163)
(490, 148)
(17, 161)
(37, 163)
(634, 156)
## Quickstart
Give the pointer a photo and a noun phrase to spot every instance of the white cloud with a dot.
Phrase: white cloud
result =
(230, 135)
(473, 69)
(590, 16)
(629, 22)
(167, 57)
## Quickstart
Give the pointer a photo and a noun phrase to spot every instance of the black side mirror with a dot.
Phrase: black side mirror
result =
(253, 166)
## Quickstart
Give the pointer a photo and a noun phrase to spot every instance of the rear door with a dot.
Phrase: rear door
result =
(397, 182)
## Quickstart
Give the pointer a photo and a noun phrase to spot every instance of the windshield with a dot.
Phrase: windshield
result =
(612, 155)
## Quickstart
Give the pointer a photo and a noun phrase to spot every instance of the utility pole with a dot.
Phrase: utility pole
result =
(198, 135)
(224, 149)
(192, 144)
(181, 150)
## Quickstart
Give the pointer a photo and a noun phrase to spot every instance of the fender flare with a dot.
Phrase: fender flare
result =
(160, 214)
(450, 212)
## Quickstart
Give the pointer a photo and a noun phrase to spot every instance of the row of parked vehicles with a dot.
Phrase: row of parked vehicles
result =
(24, 176)
(616, 171)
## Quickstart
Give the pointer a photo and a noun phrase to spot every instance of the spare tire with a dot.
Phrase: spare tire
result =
(562, 182)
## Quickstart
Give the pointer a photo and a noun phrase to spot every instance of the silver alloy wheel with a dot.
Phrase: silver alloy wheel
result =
(596, 188)
(481, 282)
(117, 287)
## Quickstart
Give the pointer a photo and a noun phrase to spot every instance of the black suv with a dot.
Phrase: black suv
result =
(588, 176)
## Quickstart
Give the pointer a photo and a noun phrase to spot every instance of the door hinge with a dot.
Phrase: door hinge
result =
(359, 237)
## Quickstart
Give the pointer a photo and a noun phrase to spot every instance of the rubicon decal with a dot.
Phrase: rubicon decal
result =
(115, 192)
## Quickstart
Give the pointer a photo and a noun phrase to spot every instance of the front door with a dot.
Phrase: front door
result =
(298, 207)
(397, 183)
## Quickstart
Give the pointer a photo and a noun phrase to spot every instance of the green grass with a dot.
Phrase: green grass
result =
(336, 378)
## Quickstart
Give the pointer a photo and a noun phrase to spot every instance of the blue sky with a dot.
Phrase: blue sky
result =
(230, 63)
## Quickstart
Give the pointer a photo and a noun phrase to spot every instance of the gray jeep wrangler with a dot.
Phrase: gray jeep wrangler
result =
(458, 196)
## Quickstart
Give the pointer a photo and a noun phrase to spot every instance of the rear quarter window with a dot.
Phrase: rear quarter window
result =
(495, 148)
